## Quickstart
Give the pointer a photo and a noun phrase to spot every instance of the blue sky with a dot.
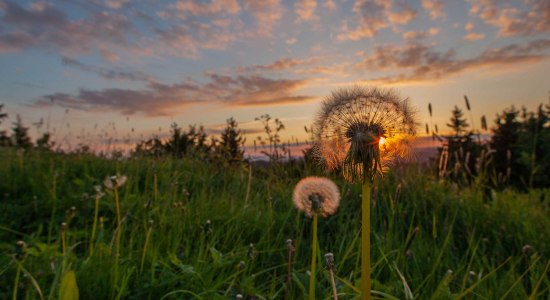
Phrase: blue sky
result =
(81, 65)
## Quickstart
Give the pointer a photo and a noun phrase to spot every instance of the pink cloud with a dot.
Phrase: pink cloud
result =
(164, 99)
(434, 8)
(305, 9)
(375, 15)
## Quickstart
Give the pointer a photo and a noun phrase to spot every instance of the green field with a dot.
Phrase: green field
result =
(218, 231)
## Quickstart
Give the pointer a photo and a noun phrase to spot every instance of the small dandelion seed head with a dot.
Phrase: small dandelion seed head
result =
(329, 261)
(316, 195)
(116, 181)
(20, 250)
(527, 249)
(350, 125)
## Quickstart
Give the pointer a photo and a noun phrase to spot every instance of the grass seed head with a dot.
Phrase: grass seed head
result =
(316, 195)
(361, 131)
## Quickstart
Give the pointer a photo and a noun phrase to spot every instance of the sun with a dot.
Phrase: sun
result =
(382, 141)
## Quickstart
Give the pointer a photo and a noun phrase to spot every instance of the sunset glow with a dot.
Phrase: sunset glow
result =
(121, 71)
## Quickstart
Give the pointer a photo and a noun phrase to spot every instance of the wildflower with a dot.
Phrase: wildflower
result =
(363, 130)
(114, 181)
(314, 195)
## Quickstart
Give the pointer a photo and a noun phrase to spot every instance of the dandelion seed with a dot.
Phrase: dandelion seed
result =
(114, 181)
(350, 125)
(316, 195)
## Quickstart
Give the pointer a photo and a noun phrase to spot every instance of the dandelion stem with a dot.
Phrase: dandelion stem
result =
(94, 226)
(16, 285)
(63, 242)
(145, 248)
(313, 259)
(333, 283)
(365, 241)
(117, 245)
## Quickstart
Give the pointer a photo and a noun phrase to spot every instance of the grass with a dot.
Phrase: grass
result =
(430, 240)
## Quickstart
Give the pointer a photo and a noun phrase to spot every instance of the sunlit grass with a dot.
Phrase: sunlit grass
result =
(429, 240)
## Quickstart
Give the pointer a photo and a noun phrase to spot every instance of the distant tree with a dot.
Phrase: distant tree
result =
(44, 142)
(505, 141)
(4, 139)
(230, 146)
(463, 150)
(20, 135)
(458, 123)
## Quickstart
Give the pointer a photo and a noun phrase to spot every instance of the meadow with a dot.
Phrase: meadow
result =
(198, 229)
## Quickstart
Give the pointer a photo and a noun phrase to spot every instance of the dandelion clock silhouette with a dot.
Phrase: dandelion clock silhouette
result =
(361, 132)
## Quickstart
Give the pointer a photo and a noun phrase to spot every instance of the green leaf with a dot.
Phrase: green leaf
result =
(68, 289)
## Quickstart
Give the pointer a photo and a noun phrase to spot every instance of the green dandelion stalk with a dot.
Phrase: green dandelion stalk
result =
(360, 132)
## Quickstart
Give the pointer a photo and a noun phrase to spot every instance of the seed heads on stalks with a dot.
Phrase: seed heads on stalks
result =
(20, 250)
(350, 125)
(331, 267)
(348, 130)
(316, 195)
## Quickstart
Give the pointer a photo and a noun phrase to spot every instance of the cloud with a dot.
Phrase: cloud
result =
(291, 41)
(434, 8)
(190, 7)
(472, 36)
(417, 35)
(278, 65)
(45, 26)
(266, 14)
(159, 99)
(512, 21)
(116, 4)
(305, 9)
(330, 4)
(375, 15)
(417, 62)
(186, 39)
(108, 73)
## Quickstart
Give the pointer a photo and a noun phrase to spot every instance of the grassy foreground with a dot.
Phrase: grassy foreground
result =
(191, 229)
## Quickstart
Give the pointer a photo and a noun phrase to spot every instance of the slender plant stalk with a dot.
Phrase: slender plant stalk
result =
(313, 259)
(155, 182)
(53, 196)
(333, 283)
(117, 244)
(365, 241)
(94, 226)
(16, 284)
(63, 241)
(145, 248)
(289, 270)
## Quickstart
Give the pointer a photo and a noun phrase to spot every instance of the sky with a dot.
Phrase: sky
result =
(90, 70)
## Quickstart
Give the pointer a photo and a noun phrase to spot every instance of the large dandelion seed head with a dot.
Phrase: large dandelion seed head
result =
(363, 130)
(316, 195)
